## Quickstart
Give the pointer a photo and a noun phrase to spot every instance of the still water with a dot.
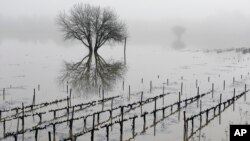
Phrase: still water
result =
(27, 64)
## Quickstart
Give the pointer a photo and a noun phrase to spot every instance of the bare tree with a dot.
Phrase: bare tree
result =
(178, 43)
(179, 30)
(92, 25)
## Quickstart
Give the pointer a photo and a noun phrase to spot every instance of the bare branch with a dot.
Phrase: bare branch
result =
(92, 25)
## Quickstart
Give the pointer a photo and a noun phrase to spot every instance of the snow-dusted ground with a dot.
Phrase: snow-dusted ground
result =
(26, 65)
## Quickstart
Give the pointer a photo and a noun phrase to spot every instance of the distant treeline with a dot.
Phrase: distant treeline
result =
(243, 50)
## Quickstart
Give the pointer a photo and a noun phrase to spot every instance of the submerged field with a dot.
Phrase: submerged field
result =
(37, 74)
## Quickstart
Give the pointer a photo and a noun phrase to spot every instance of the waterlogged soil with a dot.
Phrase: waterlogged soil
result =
(25, 65)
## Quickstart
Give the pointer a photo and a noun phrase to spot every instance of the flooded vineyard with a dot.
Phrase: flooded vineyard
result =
(207, 98)
(134, 70)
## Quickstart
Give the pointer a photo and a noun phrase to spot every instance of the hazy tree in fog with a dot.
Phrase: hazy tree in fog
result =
(179, 31)
(92, 25)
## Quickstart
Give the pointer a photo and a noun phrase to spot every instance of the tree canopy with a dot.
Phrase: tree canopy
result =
(92, 25)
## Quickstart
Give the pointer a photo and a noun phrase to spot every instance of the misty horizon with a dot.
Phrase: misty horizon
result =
(218, 27)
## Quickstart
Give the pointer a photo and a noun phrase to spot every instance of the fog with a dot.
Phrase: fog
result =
(208, 24)
(162, 70)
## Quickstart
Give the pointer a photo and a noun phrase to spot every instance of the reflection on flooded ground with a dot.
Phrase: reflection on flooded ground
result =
(178, 70)
(92, 73)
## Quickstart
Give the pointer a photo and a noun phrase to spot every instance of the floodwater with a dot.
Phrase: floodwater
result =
(26, 64)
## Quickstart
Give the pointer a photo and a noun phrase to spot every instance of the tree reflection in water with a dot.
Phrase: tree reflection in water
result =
(87, 75)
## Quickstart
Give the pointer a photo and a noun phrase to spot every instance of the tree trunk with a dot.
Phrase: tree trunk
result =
(95, 50)
(90, 50)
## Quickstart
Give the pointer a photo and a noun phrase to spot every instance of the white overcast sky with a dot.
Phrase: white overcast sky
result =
(208, 23)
